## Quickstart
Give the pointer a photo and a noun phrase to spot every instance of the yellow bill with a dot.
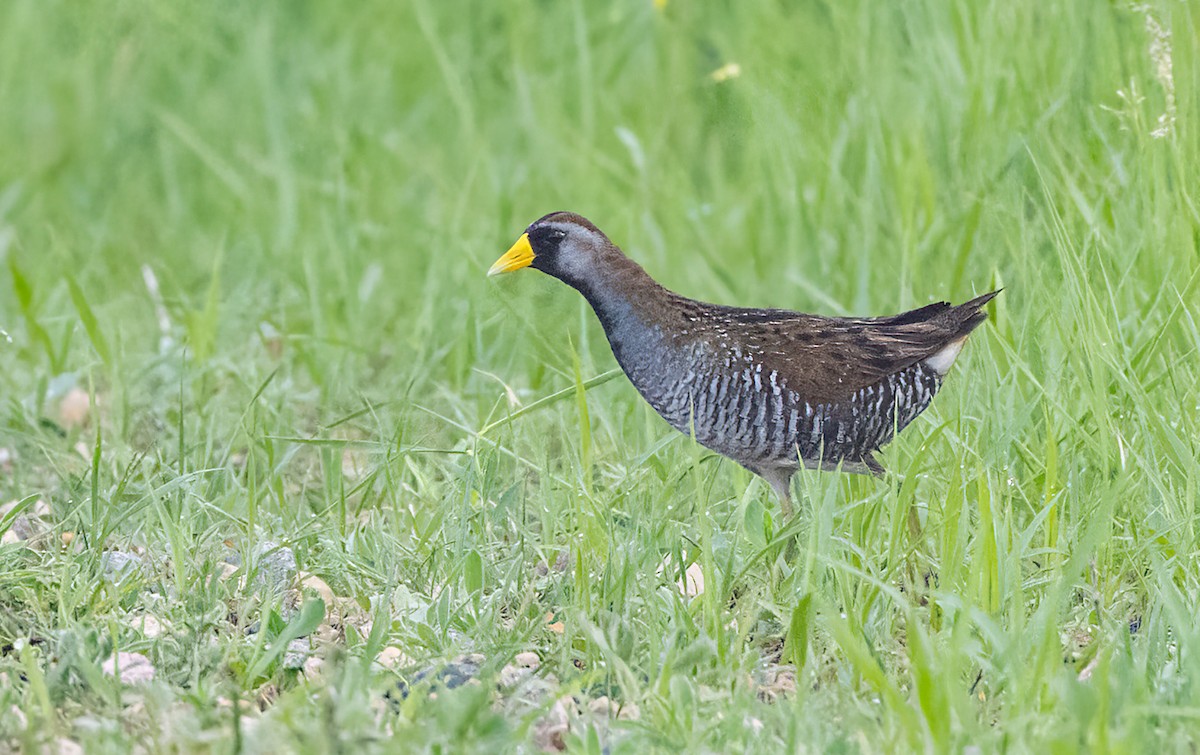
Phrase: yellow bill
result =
(519, 256)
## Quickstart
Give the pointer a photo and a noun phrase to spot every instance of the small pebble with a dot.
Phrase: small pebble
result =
(528, 659)
(74, 408)
(313, 666)
(392, 657)
(276, 565)
(318, 585)
(64, 746)
(296, 654)
(130, 668)
(118, 564)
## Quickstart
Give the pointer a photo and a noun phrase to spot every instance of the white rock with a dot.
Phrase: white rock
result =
(130, 668)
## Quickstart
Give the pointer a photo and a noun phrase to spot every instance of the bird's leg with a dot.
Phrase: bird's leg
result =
(781, 482)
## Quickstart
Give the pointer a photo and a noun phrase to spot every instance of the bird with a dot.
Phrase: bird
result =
(771, 389)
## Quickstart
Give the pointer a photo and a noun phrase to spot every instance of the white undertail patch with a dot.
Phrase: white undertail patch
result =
(941, 361)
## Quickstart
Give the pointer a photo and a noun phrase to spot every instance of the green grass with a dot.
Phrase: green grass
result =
(318, 188)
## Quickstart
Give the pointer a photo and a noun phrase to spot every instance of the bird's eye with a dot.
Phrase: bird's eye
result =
(556, 234)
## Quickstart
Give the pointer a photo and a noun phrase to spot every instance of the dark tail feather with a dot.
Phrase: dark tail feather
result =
(978, 302)
(971, 313)
(922, 314)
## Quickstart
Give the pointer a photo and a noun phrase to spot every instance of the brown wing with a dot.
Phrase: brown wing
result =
(828, 359)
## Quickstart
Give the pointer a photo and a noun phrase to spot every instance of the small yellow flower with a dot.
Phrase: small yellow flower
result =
(726, 72)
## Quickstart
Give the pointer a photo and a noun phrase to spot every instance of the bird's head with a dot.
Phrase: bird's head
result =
(564, 245)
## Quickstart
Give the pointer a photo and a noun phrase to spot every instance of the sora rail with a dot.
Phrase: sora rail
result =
(768, 388)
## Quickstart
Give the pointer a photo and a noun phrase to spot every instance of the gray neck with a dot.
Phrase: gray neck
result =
(622, 296)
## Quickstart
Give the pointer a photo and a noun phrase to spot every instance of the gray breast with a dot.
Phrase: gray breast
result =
(744, 410)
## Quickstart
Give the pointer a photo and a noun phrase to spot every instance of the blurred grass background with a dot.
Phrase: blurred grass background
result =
(254, 236)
